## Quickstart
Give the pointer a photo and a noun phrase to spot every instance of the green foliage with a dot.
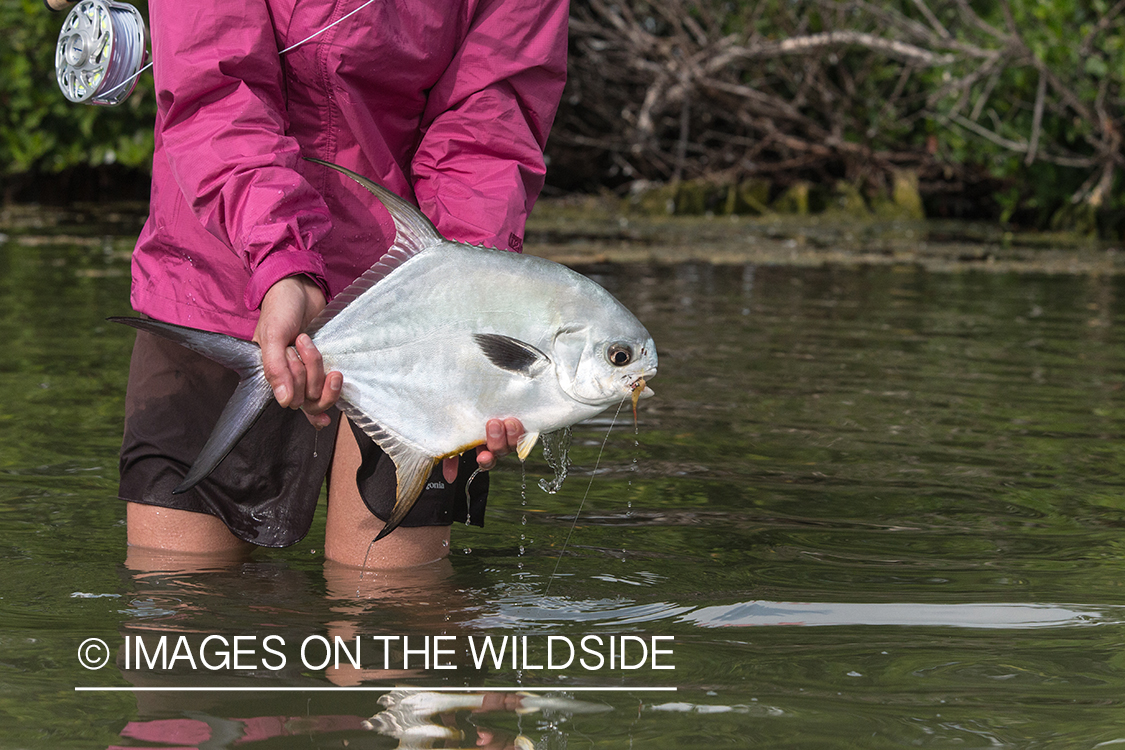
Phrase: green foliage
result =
(1076, 53)
(40, 130)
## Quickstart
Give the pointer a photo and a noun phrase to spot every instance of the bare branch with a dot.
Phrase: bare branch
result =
(968, 12)
(1018, 147)
(814, 43)
(982, 100)
(681, 145)
(933, 20)
(1036, 120)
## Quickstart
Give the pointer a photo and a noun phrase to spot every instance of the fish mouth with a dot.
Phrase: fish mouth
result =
(640, 388)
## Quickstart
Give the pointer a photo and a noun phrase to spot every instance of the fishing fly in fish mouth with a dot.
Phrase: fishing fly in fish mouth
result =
(507, 335)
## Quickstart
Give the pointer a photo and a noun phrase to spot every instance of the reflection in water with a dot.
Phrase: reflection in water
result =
(418, 719)
(204, 731)
(188, 596)
(623, 611)
(1001, 616)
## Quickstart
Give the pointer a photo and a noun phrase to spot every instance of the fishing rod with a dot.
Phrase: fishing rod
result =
(101, 51)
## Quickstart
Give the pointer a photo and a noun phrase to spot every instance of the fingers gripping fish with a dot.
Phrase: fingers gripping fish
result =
(437, 338)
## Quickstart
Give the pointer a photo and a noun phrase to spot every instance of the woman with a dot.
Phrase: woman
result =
(447, 104)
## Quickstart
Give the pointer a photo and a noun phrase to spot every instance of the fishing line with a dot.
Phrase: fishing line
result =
(326, 28)
(102, 45)
(133, 79)
(593, 473)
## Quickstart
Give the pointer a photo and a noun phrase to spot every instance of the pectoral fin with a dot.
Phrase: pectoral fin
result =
(526, 442)
(512, 354)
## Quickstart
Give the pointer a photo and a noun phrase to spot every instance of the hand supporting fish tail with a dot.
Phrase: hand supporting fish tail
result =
(292, 363)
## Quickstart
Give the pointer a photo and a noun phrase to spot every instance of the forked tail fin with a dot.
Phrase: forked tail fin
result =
(250, 398)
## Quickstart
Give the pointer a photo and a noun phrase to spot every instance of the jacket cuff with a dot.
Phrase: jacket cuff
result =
(280, 265)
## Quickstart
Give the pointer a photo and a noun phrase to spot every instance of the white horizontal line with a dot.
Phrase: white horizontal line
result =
(275, 689)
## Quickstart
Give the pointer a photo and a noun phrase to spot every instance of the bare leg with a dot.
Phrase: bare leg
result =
(173, 530)
(351, 526)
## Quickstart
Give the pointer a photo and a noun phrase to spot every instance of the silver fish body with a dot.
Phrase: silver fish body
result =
(437, 338)
(440, 349)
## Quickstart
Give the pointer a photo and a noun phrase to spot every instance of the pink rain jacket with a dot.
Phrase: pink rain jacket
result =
(446, 103)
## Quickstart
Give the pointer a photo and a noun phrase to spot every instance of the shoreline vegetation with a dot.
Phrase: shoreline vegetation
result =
(588, 231)
(1008, 112)
(584, 231)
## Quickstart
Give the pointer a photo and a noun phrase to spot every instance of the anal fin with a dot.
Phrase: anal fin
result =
(412, 465)
(412, 469)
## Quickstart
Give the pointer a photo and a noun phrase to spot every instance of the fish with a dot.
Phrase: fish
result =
(435, 339)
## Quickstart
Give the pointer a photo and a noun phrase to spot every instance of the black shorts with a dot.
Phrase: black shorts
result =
(267, 489)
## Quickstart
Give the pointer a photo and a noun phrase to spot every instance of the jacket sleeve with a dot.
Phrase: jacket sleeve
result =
(221, 124)
(479, 166)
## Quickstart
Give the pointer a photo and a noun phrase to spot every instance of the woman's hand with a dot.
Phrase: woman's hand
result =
(292, 364)
(501, 438)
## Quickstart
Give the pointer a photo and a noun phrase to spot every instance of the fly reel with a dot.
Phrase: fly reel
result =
(100, 52)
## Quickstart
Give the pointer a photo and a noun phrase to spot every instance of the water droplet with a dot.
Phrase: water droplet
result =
(556, 452)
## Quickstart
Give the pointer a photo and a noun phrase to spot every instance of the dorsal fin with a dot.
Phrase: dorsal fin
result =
(414, 229)
(413, 234)
(392, 259)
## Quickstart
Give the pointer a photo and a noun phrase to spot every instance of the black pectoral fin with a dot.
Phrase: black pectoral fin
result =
(511, 354)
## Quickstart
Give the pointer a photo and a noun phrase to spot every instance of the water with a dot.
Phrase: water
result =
(870, 507)
(556, 452)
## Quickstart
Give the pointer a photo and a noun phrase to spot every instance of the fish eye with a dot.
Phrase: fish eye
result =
(619, 354)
